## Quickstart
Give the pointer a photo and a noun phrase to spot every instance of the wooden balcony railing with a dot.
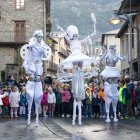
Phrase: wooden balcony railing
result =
(52, 66)
(63, 52)
(10, 36)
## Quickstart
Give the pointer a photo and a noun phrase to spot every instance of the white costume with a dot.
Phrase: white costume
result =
(75, 48)
(76, 60)
(78, 90)
(33, 54)
(111, 74)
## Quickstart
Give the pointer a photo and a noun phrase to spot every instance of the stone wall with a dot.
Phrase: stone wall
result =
(6, 56)
(12, 69)
(33, 15)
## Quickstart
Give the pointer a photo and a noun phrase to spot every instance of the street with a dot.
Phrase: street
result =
(60, 128)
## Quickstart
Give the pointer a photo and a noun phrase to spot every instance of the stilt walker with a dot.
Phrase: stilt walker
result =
(111, 74)
(78, 90)
(33, 54)
(76, 61)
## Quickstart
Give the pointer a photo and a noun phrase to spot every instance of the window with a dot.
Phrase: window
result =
(20, 4)
(20, 31)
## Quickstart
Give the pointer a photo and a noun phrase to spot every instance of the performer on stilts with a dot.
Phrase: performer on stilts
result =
(111, 74)
(33, 54)
(76, 61)
(78, 90)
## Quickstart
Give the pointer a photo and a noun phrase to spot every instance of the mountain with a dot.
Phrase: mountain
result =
(78, 12)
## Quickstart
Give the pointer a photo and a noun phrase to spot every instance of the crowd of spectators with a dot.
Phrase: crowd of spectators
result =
(57, 99)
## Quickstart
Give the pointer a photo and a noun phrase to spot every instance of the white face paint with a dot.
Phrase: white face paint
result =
(39, 38)
(109, 80)
(112, 50)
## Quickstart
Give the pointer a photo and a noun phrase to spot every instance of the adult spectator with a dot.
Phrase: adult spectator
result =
(129, 98)
(11, 81)
(138, 97)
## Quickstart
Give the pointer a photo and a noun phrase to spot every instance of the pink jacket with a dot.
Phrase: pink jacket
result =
(66, 96)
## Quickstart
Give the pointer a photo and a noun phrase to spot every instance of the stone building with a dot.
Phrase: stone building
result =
(18, 20)
(132, 8)
(60, 52)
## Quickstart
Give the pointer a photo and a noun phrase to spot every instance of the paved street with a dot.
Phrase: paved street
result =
(16, 129)
(60, 128)
(99, 130)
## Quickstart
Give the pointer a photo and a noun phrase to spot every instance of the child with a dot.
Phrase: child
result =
(58, 101)
(5, 102)
(51, 101)
(14, 99)
(88, 102)
(3, 95)
(44, 101)
(101, 97)
(95, 101)
(23, 101)
(66, 96)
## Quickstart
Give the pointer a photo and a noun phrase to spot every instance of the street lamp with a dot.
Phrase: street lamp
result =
(117, 20)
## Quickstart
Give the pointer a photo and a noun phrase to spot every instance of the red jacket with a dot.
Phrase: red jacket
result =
(5, 101)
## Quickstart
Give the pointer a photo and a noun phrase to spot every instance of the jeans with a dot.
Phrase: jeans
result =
(102, 108)
(122, 109)
(88, 110)
(129, 109)
(65, 108)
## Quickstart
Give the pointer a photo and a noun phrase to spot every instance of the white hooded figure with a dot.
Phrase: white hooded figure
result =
(33, 54)
(76, 61)
(111, 74)
(75, 47)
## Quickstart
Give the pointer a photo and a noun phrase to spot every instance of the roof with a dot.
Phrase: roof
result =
(113, 32)
(124, 27)
(125, 6)
(121, 31)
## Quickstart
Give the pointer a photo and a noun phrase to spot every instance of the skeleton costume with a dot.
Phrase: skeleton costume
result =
(76, 60)
(33, 54)
(110, 73)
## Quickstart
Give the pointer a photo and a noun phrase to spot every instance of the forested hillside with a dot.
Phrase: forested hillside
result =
(78, 12)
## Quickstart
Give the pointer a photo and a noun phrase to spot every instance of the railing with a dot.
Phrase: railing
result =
(52, 66)
(10, 36)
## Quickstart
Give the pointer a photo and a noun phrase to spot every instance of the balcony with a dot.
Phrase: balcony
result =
(52, 66)
(11, 37)
(63, 52)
